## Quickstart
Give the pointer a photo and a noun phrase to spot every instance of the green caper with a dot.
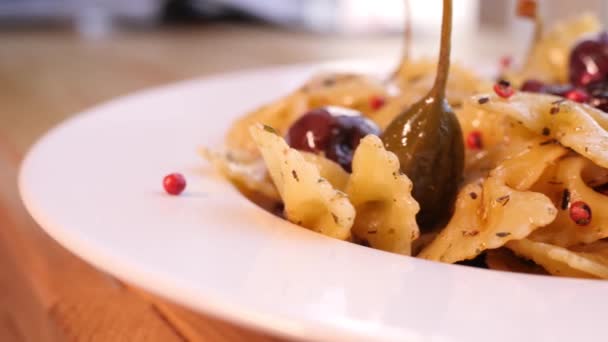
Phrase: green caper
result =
(427, 139)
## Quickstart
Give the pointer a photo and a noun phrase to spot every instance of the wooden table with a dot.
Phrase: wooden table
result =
(47, 293)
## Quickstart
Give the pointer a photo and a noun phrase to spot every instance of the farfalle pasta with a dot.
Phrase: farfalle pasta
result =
(382, 196)
(573, 125)
(563, 262)
(309, 199)
(566, 184)
(532, 191)
(490, 213)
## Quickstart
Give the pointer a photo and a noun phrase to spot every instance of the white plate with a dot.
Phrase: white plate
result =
(94, 184)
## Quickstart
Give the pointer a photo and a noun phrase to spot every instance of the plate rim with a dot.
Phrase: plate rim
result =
(216, 308)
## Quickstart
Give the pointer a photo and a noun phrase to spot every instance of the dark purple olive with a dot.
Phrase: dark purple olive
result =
(312, 132)
(558, 89)
(533, 86)
(335, 131)
(589, 61)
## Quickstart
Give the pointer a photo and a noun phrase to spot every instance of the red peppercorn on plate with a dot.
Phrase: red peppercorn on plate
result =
(95, 184)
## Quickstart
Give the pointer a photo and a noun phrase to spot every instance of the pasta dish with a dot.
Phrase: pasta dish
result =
(439, 163)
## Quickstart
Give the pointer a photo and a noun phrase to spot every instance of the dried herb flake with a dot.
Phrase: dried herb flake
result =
(503, 200)
(565, 199)
(483, 100)
(270, 129)
(328, 82)
(547, 142)
(295, 175)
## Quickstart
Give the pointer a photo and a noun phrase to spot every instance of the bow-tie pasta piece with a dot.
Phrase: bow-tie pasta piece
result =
(386, 210)
(345, 90)
(574, 125)
(309, 199)
(566, 184)
(560, 261)
(490, 213)
(503, 259)
(249, 177)
(329, 170)
(279, 115)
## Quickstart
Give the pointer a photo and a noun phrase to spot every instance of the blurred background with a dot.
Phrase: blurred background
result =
(487, 25)
(97, 17)
(64, 55)
(100, 18)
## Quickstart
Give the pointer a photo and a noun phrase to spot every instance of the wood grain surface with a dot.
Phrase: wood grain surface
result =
(47, 293)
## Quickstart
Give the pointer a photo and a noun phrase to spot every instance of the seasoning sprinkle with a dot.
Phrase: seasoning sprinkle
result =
(270, 129)
(474, 140)
(340, 193)
(503, 234)
(503, 89)
(376, 102)
(559, 101)
(295, 175)
(548, 142)
(546, 131)
(473, 195)
(483, 100)
(503, 200)
(580, 213)
(565, 199)
(328, 82)
(335, 218)
(554, 110)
